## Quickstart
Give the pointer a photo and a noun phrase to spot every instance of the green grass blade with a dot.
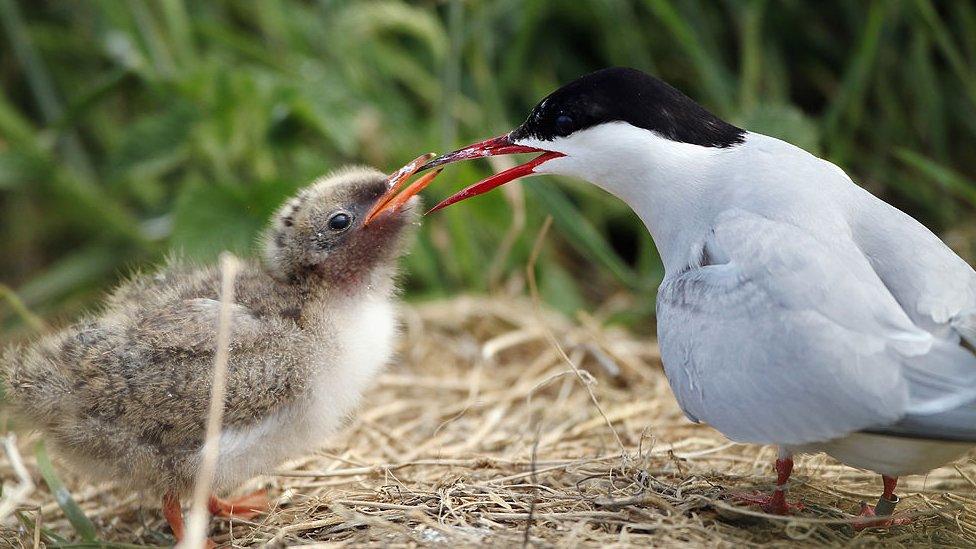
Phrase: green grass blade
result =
(14, 127)
(715, 77)
(752, 54)
(580, 233)
(21, 310)
(849, 98)
(181, 31)
(159, 52)
(41, 83)
(451, 74)
(37, 74)
(81, 523)
(49, 537)
(943, 37)
(951, 180)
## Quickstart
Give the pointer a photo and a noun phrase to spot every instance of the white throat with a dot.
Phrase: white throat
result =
(665, 182)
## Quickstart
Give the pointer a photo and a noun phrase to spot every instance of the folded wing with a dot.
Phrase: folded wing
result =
(783, 337)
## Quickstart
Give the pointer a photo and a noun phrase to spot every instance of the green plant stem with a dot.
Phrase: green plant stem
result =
(21, 310)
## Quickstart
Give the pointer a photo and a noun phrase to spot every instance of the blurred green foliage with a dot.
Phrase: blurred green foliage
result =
(132, 128)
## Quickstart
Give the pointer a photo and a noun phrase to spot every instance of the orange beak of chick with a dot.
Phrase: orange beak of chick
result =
(393, 199)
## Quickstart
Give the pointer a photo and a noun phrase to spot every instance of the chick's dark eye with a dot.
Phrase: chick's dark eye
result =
(565, 124)
(340, 221)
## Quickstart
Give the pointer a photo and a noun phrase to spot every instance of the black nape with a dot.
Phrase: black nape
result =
(627, 95)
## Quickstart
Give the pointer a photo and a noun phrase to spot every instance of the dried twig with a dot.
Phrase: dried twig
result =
(196, 531)
(586, 380)
(14, 497)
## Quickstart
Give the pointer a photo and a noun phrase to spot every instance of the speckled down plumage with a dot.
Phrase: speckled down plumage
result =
(123, 394)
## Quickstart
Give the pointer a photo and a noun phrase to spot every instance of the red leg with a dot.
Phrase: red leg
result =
(884, 508)
(889, 487)
(174, 516)
(247, 506)
(775, 503)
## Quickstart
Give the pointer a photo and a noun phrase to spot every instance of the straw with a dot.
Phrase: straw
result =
(196, 528)
(441, 454)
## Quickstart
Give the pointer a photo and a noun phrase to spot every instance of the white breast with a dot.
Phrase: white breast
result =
(892, 456)
(363, 345)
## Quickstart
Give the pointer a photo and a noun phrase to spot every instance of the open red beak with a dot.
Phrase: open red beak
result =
(391, 201)
(491, 147)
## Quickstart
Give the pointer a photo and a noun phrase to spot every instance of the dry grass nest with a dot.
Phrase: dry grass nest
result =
(502, 424)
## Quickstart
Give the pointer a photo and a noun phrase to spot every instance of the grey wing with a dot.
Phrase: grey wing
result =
(935, 287)
(785, 338)
(956, 425)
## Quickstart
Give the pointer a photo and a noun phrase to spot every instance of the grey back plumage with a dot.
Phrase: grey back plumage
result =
(817, 310)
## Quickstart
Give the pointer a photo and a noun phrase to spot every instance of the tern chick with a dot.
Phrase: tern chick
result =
(124, 395)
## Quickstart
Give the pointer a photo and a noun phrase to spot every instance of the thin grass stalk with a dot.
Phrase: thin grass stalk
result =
(20, 309)
(586, 380)
(13, 497)
(196, 531)
(451, 78)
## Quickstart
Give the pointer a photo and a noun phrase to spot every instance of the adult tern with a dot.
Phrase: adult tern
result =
(797, 309)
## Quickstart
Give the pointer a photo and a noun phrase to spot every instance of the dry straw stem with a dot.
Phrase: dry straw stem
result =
(196, 531)
(13, 497)
(588, 381)
(441, 453)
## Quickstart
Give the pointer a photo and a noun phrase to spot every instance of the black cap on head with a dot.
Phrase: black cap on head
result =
(626, 95)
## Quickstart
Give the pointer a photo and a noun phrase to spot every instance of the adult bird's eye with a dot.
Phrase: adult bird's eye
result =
(340, 221)
(564, 124)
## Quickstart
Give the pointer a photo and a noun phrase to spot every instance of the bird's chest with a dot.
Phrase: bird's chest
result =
(681, 325)
(345, 360)
(361, 346)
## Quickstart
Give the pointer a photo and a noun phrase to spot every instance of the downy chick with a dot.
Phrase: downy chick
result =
(124, 395)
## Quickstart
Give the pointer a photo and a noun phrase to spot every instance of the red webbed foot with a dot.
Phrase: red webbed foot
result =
(774, 504)
(174, 517)
(246, 507)
(883, 510)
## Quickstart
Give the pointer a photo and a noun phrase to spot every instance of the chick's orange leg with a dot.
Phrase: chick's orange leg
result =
(174, 517)
(247, 506)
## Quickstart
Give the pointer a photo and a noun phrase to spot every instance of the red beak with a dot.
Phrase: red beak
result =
(391, 201)
(495, 146)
